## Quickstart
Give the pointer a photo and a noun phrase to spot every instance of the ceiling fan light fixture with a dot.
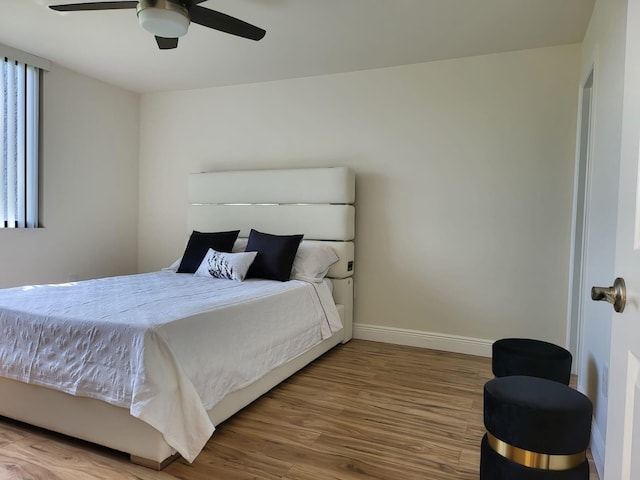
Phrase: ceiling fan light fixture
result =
(163, 18)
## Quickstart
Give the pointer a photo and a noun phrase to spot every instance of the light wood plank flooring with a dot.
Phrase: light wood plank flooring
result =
(363, 411)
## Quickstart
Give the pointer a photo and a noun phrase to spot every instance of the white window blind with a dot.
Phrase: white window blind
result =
(19, 120)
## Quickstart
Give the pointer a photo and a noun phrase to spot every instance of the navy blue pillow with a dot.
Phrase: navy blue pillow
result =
(200, 243)
(275, 255)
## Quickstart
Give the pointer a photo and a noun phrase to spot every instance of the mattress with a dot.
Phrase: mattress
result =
(166, 346)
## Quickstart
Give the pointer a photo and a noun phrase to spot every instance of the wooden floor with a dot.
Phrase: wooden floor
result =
(363, 411)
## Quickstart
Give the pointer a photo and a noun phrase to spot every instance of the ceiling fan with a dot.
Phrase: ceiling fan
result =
(169, 19)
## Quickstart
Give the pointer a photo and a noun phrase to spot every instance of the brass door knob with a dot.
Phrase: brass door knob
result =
(616, 294)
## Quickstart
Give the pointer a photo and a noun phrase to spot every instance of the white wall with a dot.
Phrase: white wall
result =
(464, 180)
(604, 45)
(89, 186)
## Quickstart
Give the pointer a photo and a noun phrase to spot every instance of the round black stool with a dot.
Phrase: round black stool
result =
(535, 358)
(537, 429)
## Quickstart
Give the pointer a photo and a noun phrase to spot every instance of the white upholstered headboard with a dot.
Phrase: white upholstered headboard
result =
(317, 202)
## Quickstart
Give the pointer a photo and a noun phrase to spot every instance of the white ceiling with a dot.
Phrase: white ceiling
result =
(304, 38)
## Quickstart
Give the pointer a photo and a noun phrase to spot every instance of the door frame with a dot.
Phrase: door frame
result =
(579, 247)
(580, 216)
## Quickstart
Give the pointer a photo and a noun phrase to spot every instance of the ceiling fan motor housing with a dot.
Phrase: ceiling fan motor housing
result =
(163, 18)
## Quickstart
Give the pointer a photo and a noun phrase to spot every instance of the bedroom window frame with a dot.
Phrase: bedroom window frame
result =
(19, 143)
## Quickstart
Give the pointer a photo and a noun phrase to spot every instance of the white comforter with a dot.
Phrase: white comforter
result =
(166, 346)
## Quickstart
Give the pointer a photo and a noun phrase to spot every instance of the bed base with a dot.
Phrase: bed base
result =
(153, 465)
(113, 427)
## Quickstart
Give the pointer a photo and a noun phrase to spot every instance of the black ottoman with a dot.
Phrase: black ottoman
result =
(536, 429)
(535, 358)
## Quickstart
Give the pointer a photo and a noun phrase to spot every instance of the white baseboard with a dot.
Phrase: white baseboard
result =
(597, 448)
(417, 338)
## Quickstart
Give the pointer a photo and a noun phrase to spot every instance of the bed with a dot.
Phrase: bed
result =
(315, 202)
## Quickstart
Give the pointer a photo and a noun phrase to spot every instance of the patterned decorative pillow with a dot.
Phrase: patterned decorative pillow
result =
(228, 266)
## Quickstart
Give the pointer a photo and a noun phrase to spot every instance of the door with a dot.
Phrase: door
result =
(622, 454)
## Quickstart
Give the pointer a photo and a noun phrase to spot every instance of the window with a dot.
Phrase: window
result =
(19, 120)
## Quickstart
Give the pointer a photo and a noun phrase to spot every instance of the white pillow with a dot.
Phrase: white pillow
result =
(228, 266)
(240, 245)
(312, 261)
(174, 266)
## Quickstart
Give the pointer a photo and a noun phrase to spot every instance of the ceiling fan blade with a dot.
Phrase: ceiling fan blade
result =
(76, 7)
(166, 43)
(225, 23)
